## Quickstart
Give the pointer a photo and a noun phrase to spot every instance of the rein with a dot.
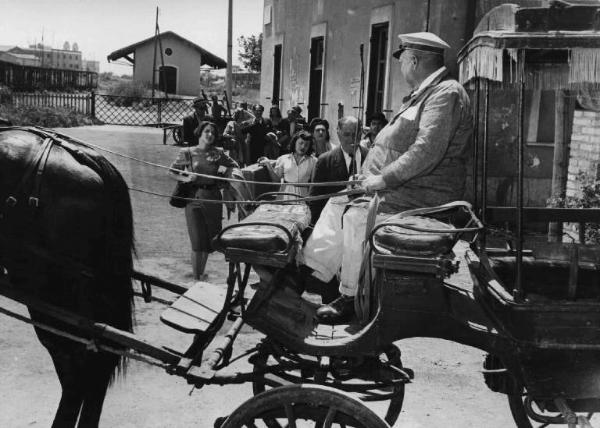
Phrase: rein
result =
(197, 174)
(52, 137)
(251, 202)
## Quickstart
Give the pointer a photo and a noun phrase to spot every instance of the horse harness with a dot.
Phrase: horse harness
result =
(31, 182)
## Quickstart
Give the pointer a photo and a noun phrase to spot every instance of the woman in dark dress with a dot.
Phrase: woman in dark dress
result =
(203, 219)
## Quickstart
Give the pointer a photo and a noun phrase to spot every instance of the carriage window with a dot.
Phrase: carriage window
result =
(539, 117)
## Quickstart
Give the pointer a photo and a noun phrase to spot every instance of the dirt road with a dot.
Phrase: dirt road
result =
(448, 390)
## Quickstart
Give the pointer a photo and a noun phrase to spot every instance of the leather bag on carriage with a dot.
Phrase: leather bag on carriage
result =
(265, 229)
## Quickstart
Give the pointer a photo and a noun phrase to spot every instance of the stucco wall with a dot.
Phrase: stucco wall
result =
(346, 25)
(185, 58)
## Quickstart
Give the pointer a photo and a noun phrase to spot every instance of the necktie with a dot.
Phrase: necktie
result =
(352, 168)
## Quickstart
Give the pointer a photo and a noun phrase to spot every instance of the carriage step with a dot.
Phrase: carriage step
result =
(195, 310)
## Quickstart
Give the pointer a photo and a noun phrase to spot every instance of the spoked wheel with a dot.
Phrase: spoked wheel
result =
(527, 414)
(303, 406)
(178, 135)
(380, 378)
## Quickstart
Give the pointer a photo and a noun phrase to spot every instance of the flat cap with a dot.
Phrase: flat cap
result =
(424, 41)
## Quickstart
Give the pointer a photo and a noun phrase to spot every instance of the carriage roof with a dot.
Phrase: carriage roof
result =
(560, 53)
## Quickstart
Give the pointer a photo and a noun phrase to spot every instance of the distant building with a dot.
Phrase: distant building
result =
(90, 65)
(182, 61)
(16, 58)
(245, 79)
(53, 58)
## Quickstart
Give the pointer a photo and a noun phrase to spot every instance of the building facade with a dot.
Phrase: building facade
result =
(7, 55)
(53, 58)
(311, 52)
(90, 65)
(177, 66)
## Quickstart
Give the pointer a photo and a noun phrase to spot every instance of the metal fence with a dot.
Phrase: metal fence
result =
(119, 110)
(110, 109)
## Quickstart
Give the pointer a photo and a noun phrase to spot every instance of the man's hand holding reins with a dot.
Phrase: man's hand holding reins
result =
(373, 183)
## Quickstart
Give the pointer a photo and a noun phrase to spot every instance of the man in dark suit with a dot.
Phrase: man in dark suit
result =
(337, 164)
(257, 130)
(191, 122)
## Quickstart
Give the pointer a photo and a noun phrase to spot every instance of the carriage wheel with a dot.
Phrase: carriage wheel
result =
(395, 394)
(178, 135)
(303, 406)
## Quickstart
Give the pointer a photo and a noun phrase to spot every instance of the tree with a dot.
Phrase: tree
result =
(251, 52)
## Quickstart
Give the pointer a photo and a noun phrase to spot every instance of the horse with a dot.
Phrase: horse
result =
(66, 238)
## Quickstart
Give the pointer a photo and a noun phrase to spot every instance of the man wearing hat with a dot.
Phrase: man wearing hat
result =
(257, 131)
(419, 159)
(375, 122)
(297, 122)
(191, 122)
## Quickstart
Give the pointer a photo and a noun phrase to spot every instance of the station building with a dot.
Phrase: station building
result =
(178, 62)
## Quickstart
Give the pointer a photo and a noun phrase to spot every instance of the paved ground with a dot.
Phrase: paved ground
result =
(448, 390)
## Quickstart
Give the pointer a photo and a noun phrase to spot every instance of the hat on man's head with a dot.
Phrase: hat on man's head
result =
(199, 101)
(297, 109)
(424, 41)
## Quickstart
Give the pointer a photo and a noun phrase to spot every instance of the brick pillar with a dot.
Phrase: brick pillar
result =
(585, 149)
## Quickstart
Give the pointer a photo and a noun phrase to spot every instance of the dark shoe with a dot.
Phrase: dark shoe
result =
(330, 291)
(339, 311)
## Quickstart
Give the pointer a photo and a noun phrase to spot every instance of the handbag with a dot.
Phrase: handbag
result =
(183, 191)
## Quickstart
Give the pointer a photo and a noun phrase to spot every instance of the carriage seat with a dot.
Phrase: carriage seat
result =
(270, 228)
(397, 240)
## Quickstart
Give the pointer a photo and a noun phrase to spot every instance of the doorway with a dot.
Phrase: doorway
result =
(167, 79)
(276, 75)
(316, 77)
(377, 68)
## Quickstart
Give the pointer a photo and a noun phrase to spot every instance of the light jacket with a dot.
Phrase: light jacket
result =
(422, 152)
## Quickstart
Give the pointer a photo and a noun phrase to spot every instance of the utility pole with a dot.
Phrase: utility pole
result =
(228, 79)
(154, 60)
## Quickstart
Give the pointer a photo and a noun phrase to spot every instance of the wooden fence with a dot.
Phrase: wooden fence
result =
(81, 103)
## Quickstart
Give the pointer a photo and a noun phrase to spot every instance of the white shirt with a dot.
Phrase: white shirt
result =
(290, 171)
(348, 159)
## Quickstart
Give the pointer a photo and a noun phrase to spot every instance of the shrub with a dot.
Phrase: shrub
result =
(588, 198)
(127, 93)
(48, 117)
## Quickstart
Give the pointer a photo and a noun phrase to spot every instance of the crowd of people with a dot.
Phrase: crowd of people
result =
(290, 149)
(419, 159)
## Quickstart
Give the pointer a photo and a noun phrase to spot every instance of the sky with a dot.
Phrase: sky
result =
(100, 27)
